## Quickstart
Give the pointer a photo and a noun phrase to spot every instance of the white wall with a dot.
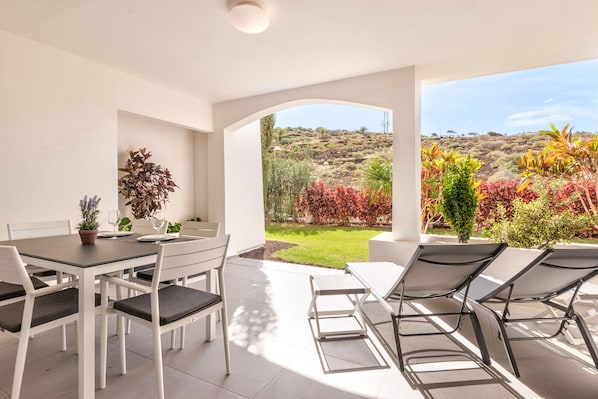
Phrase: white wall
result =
(243, 173)
(172, 147)
(58, 128)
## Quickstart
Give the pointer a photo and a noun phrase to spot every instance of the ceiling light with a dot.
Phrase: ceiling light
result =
(249, 17)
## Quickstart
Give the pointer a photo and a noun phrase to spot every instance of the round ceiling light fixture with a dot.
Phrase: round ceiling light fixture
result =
(249, 17)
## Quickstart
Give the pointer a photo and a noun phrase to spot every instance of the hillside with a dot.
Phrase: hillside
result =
(339, 156)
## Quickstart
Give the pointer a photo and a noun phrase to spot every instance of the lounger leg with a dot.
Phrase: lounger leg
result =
(395, 325)
(587, 337)
(508, 348)
(477, 329)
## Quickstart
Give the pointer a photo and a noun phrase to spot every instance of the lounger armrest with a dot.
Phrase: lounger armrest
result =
(379, 277)
(483, 285)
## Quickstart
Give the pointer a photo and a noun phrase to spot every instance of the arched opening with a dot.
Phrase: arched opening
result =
(243, 165)
(233, 156)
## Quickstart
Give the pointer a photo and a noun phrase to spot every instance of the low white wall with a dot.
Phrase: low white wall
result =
(384, 248)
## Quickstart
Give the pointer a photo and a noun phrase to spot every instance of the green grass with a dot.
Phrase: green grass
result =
(331, 246)
(326, 246)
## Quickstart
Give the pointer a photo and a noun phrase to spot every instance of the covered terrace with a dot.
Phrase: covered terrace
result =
(82, 83)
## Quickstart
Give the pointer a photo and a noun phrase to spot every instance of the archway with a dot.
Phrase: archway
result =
(233, 154)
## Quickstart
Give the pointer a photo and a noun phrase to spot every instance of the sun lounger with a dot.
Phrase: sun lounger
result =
(552, 273)
(434, 271)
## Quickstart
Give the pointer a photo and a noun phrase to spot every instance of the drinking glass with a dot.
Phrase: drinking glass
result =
(157, 223)
(114, 218)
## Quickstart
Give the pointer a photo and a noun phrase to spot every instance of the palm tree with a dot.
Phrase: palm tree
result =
(378, 175)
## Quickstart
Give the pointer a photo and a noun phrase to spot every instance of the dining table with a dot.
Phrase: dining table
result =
(66, 253)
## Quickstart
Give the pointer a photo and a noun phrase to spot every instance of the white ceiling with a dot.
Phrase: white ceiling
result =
(190, 45)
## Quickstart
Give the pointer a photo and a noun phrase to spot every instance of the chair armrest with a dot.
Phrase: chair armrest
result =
(127, 284)
(54, 288)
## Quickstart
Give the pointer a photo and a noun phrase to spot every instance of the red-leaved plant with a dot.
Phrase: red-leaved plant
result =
(145, 185)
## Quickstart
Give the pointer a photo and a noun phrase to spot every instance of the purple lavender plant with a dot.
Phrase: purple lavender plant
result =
(89, 212)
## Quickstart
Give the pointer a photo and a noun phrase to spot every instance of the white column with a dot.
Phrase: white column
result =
(406, 193)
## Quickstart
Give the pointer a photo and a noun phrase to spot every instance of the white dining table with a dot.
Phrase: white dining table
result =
(66, 254)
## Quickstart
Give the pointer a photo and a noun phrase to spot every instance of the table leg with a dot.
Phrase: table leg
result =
(86, 334)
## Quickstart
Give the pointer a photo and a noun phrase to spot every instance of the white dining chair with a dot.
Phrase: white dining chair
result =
(144, 226)
(42, 308)
(166, 308)
(189, 229)
(18, 231)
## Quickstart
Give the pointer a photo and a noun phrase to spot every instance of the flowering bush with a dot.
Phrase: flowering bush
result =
(89, 212)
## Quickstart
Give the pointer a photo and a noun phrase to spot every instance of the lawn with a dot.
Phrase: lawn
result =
(327, 246)
(331, 246)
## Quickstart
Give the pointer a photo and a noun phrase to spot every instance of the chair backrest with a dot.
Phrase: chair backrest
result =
(200, 229)
(17, 231)
(144, 226)
(12, 268)
(188, 258)
(554, 272)
(441, 270)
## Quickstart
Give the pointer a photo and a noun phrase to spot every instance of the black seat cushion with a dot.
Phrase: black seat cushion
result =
(46, 308)
(147, 274)
(9, 291)
(175, 301)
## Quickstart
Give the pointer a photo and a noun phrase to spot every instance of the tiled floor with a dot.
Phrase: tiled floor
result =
(274, 355)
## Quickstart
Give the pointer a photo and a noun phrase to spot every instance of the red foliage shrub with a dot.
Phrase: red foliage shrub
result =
(320, 202)
(374, 209)
(343, 205)
(573, 196)
(499, 192)
(346, 205)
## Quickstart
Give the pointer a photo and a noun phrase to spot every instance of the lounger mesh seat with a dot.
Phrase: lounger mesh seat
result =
(434, 271)
(552, 273)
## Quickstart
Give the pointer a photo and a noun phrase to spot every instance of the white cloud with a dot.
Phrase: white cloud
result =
(548, 100)
(542, 117)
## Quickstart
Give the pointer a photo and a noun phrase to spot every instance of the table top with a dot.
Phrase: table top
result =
(337, 284)
(67, 249)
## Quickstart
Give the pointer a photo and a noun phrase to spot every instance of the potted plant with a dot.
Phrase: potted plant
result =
(88, 227)
(145, 185)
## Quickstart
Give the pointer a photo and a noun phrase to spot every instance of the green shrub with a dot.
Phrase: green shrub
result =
(287, 180)
(459, 201)
(536, 224)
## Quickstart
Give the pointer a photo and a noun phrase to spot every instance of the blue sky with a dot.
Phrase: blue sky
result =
(509, 103)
